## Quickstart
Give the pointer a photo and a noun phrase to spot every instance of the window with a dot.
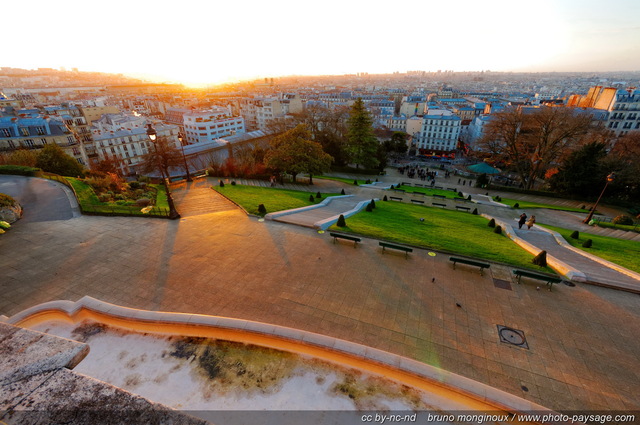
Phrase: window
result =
(70, 139)
(28, 143)
(43, 141)
(40, 131)
(24, 131)
(4, 132)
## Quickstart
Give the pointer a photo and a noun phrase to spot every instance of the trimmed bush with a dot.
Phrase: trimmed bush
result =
(233, 183)
(355, 182)
(623, 219)
(469, 198)
(460, 195)
(540, 259)
(498, 230)
(261, 209)
(475, 211)
(369, 208)
(18, 170)
(311, 198)
(318, 195)
(516, 205)
(385, 198)
(143, 202)
(583, 207)
(587, 244)
(372, 203)
(492, 223)
(368, 181)
(221, 183)
(575, 235)
(341, 222)
(342, 192)
(391, 187)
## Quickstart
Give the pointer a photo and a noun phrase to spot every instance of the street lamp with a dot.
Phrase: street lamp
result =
(184, 158)
(153, 135)
(611, 177)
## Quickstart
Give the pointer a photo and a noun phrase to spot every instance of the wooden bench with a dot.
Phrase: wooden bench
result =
(415, 201)
(406, 250)
(438, 187)
(439, 196)
(470, 263)
(393, 198)
(346, 237)
(435, 204)
(457, 198)
(550, 280)
(458, 207)
(418, 193)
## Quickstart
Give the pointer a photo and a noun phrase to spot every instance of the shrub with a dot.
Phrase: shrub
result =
(355, 182)
(391, 187)
(583, 207)
(540, 259)
(104, 197)
(95, 173)
(369, 208)
(575, 235)
(341, 222)
(492, 223)
(372, 203)
(587, 244)
(311, 198)
(498, 230)
(469, 198)
(18, 170)
(221, 183)
(385, 198)
(6, 200)
(516, 205)
(460, 195)
(475, 211)
(143, 202)
(144, 179)
(623, 219)
(119, 197)
(233, 183)
(368, 181)
(53, 159)
(24, 157)
(134, 185)
(342, 192)
(261, 209)
(498, 198)
(318, 195)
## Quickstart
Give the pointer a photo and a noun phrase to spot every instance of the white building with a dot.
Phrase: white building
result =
(209, 125)
(440, 130)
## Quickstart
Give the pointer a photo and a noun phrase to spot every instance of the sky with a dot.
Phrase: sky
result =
(198, 42)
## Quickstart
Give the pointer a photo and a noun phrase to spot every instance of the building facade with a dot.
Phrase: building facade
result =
(206, 126)
(440, 131)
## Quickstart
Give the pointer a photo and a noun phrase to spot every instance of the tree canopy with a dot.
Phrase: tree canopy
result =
(362, 145)
(529, 141)
(53, 159)
(293, 152)
(162, 155)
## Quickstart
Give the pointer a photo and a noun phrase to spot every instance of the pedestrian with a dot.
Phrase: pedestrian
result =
(531, 222)
(523, 219)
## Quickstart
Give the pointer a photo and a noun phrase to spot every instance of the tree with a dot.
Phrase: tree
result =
(52, 158)
(530, 141)
(162, 155)
(294, 153)
(362, 145)
(24, 157)
(582, 172)
(624, 159)
(397, 143)
(111, 164)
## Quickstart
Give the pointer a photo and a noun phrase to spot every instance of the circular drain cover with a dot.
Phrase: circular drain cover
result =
(512, 336)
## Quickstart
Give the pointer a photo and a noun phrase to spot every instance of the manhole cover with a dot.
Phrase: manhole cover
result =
(512, 336)
(502, 284)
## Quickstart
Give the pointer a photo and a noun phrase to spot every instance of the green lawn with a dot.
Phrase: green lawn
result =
(527, 204)
(452, 231)
(619, 251)
(342, 179)
(626, 227)
(427, 191)
(249, 197)
(89, 202)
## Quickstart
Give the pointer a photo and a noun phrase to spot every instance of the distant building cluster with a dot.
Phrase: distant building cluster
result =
(97, 117)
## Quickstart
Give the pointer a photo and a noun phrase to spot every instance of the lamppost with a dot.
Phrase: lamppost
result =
(184, 158)
(611, 177)
(153, 135)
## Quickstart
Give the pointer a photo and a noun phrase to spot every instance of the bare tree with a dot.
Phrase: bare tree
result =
(531, 141)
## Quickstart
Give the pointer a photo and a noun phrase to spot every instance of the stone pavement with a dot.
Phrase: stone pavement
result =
(583, 344)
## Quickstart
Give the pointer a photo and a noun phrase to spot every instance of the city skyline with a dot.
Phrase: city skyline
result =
(208, 44)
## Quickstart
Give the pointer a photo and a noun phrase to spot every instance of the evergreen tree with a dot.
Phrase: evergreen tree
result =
(362, 145)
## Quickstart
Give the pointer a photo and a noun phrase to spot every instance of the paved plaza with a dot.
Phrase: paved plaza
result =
(583, 341)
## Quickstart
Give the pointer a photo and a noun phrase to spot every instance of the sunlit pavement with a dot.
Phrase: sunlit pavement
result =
(584, 341)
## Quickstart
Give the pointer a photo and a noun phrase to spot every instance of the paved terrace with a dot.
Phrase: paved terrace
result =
(583, 341)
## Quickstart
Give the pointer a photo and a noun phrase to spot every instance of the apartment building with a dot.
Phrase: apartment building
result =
(212, 124)
(440, 131)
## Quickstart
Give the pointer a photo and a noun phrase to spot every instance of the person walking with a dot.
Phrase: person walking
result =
(531, 222)
(523, 219)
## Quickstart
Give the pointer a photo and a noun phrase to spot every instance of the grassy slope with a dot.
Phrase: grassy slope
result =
(452, 231)
(619, 251)
(249, 197)
(527, 204)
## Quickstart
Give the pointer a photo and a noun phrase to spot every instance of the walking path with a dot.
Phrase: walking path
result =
(583, 343)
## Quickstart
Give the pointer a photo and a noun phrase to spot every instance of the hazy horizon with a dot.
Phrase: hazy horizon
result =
(206, 44)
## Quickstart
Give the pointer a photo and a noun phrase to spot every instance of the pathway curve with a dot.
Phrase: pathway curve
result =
(41, 199)
(197, 198)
